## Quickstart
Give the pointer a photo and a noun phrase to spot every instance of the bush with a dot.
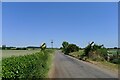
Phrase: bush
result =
(116, 61)
(64, 46)
(87, 49)
(71, 48)
(95, 52)
(28, 66)
(84, 58)
(103, 53)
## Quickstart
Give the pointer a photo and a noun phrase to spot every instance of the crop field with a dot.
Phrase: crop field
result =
(31, 66)
(9, 53)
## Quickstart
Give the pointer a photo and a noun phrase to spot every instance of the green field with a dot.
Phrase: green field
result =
(32, 66)
(9, 53)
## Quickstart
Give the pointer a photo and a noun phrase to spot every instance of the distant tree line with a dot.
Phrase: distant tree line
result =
(19, 48)
(4, 47)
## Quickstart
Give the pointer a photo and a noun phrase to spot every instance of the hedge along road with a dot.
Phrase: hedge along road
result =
(68, 67)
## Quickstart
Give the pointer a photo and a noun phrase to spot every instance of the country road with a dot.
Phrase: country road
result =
(68, 67)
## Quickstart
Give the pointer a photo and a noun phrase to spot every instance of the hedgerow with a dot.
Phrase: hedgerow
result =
(26, 67)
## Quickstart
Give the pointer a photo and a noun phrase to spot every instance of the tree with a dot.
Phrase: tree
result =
(64, 45)
(68, 48)
(71, 48)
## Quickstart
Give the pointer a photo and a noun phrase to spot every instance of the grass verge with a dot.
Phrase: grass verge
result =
(104, 64)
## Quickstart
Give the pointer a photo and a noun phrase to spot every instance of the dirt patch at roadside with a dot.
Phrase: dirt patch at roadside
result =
(52, 71)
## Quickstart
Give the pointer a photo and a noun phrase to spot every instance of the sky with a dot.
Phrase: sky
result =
(31, 23)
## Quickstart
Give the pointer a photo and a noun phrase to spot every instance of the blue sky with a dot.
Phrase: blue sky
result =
(26, 24)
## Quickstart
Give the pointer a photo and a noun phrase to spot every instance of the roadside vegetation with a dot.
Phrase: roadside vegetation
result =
(28, 67)
(93, 53)
(68, 48)
(37, 64)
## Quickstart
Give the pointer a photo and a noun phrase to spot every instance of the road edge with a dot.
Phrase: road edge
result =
(95, 66)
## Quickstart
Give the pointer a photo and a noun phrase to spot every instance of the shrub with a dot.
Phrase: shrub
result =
(102, 52)
(84, 58)
(95, 52)
(71, 48)
(87, 49)
(115, 61)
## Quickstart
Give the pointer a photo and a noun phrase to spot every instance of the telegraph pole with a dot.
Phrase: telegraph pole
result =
(52, 44)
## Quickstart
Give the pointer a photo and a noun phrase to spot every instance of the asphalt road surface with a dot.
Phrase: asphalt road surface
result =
(68, 67)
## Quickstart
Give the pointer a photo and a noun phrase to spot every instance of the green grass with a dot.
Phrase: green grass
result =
(31, 66)
(110, 65)
(105, 64)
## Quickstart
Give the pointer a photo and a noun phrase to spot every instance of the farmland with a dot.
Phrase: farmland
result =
(32, 66)
(37, 63)
(9, 53)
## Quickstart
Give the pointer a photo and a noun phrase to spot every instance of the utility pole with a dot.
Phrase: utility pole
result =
(52, 44)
